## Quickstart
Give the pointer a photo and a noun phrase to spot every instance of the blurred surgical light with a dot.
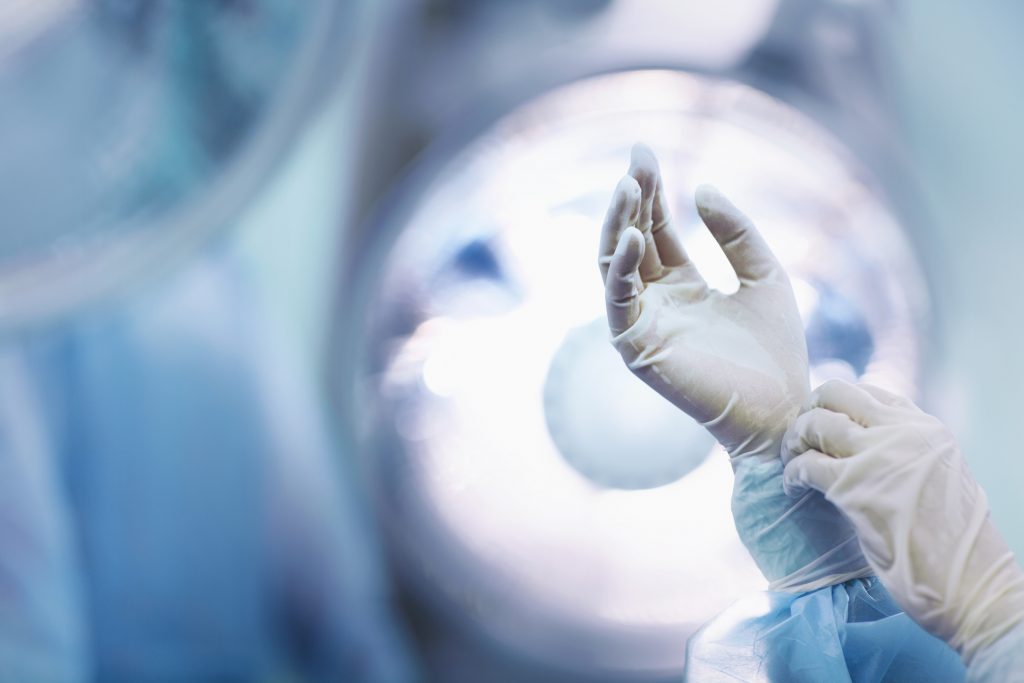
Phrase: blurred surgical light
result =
(130, 131)
(533, 488)
(685, 32)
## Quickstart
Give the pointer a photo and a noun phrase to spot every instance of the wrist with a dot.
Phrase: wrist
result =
(798, 544)
(763, 443)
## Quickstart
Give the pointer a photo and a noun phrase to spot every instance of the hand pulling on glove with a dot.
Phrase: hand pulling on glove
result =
(923, 522)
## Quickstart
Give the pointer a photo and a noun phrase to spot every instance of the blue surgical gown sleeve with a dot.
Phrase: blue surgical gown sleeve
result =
(848, 633)
(845, 631)
(219, 539)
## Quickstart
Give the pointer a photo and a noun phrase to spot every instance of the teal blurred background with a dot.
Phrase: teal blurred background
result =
(223, 334)
(958, 100)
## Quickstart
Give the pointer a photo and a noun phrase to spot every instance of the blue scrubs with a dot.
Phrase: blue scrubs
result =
(173, 507)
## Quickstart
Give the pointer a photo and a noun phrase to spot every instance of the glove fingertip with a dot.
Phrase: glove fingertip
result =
(642, 154)
(631, 246)
(706, 196)
(628, 188)
(792, 486)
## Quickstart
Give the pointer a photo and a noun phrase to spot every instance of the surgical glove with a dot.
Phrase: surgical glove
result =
(923, 522)
(737, 363)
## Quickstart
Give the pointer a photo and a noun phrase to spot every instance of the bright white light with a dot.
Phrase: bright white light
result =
(21, 21)
(533, 541)
(806, 297)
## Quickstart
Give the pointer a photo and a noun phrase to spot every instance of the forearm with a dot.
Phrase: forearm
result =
(799, 544)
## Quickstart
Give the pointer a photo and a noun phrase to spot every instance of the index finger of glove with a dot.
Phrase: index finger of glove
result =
(622, 290)
(813, 470)
(886, 397)
(822, 430)
(622, 212)
(849, 399)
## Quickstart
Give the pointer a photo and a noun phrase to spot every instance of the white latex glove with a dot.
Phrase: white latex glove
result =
(737, 363)
(923, 522)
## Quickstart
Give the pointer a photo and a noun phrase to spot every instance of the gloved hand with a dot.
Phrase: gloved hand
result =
(737, 363)
(923, 522)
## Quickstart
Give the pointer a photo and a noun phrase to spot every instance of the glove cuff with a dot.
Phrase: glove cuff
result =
(799, 544)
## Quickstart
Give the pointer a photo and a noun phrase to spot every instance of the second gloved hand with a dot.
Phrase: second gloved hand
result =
(923, 522)
(737, 363)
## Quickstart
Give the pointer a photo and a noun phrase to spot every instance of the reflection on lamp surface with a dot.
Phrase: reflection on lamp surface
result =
(131, 131)
(534, 487)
